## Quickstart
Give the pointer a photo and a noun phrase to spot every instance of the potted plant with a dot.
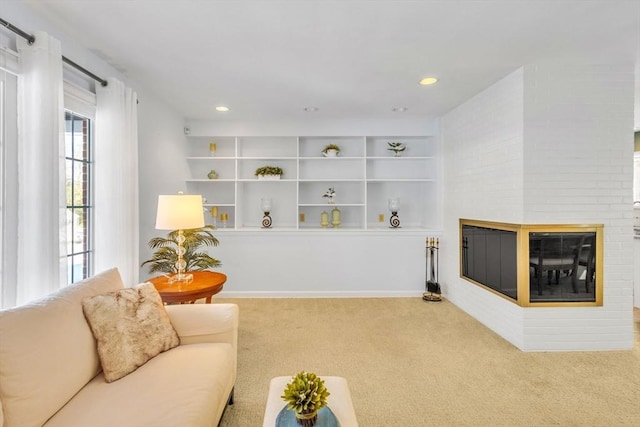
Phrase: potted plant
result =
(396, 147)
(330, 194)
(269, 172)
(306, 394)
(331, 150)
(166, 255)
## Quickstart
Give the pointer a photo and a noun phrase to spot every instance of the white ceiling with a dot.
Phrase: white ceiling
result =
(350, 59)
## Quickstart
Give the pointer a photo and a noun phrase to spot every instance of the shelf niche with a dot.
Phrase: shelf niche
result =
(365, 175)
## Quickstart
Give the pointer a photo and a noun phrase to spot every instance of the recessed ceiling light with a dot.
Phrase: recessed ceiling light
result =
(311, 109)
(429, 81)
(399, 109)
(222, 108)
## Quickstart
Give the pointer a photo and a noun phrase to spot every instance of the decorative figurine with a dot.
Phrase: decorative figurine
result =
(330, 194)
(394, 206)
(266, 209)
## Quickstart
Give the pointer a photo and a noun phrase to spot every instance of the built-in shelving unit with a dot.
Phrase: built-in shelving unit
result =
(365, 176)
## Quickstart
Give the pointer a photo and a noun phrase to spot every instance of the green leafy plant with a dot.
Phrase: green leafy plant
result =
(396, 147)
(269, 170)
(166, 255)
(306, 394)
(331, 147)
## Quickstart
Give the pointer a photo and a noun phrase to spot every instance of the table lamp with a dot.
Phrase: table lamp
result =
(180, 212)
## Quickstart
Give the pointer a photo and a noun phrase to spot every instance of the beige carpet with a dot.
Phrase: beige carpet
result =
(412, 363)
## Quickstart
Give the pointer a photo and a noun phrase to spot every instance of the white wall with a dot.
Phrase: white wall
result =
(547, 144)
(163, 164)
(321, 264)
(482, 142)
(301, 263)
(578, 153)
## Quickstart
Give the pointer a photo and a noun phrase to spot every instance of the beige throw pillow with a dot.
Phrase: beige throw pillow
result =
(131, 326)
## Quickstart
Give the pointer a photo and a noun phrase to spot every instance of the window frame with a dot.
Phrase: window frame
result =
(82, 103)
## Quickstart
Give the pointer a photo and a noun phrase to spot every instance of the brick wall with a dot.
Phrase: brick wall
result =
(482, 142)
(549, 143)
(578, 151)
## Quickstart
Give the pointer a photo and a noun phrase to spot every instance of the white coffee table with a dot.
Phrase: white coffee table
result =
(339, 401)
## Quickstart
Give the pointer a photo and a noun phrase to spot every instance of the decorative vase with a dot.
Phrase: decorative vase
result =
(335, 217)
(330, 153)
(324, 219)
(307, 419)
(213, 174)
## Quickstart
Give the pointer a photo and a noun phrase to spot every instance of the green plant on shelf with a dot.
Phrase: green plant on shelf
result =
(396, 147)
(269, 170)
(331, 147)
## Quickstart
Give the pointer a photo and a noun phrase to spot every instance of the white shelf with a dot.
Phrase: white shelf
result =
(331, 206)
(365, 176)
(265, 180)
(329, 180)
(211, 158)
(401, 158)
(330, 159)
(212, 181)
(401, 180)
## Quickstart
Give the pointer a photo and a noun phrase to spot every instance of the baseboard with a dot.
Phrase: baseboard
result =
(320, 294)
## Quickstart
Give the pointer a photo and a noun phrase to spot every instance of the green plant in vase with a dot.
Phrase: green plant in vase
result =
(166, 254)
(306, 394)
(396, 147)
(331, 150)
(269, 171)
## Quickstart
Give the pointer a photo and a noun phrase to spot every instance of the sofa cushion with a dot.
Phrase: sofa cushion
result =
(186, 386)
(48, 352)
(131, 326)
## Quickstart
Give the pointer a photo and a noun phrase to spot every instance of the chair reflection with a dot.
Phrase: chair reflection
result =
(555, 253)
(585, 257)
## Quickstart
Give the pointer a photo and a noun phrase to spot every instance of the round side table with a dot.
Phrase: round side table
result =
(205, 284)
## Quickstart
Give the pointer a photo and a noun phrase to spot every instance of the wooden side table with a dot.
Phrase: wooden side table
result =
(205, 284)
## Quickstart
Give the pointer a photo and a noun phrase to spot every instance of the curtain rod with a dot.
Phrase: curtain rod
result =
(31, 39)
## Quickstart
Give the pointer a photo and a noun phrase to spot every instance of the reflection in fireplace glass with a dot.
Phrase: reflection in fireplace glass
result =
(562, 266)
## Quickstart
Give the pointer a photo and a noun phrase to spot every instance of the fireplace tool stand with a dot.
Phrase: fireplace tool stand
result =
(432, 287)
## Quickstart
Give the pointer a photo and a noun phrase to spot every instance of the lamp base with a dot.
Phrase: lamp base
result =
(266, 220)
(181, 278)
(394, 221)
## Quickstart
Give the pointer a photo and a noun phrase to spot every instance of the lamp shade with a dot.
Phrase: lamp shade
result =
(179, 212)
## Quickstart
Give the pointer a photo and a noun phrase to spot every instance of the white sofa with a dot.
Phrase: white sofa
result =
(50, 372)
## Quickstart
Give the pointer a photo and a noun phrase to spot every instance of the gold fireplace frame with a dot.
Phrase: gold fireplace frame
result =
(522, 259)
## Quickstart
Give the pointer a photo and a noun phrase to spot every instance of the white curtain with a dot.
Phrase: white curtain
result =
(116, 180)
(41, 252)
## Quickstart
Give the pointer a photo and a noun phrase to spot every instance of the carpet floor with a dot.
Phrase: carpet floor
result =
(410, 363)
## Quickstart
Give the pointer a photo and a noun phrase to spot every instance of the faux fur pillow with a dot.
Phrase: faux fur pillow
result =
(131, 326)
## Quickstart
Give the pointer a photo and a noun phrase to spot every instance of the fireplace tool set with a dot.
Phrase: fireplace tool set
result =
(432, 286)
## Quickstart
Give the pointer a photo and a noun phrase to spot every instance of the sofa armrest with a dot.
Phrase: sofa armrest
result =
(196, 323)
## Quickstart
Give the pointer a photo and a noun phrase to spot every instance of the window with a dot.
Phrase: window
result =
(79, 198)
